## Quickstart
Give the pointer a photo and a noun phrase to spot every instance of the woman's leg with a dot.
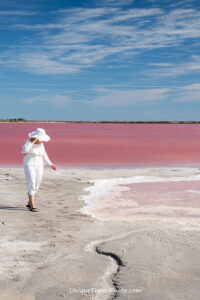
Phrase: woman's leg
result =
(31, 200)
(29, 203)
(30, 173)
(38, 178)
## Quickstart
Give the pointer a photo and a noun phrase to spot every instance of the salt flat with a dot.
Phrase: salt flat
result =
(61, 253)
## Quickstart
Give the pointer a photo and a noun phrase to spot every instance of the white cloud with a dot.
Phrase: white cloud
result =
(85, 37)
(116, 97)
(114, 2)
(7, 13)
(188, 93)
(161, 64)
(40, 62)
(111, 98)
(130, 97)
(55, 100)
(169, 69)
(194, 86)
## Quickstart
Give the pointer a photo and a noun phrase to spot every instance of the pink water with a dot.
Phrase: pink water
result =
(171, 199)
(86, 144)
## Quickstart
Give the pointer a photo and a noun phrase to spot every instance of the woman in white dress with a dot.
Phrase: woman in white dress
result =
(34, 163)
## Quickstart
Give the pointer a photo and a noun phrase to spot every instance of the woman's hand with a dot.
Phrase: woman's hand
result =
(53, 167)
(34, 140)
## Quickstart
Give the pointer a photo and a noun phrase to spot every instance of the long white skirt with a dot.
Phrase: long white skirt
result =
(34, 174)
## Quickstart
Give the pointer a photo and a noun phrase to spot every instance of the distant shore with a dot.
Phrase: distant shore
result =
(20, 120)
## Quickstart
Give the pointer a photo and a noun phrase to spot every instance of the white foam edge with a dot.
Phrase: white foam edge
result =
(101, 187)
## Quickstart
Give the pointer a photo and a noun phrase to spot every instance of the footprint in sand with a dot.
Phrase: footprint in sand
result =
(42, 267)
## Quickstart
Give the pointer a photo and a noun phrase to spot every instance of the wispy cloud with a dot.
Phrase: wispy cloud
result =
(16, 13)
(111, 98)
(194, 87)
(161, 64)
(117, 97)
(181, 68)
(84, 37)
(114, 2)
(130, 97)
(188, 93)
(55, 100)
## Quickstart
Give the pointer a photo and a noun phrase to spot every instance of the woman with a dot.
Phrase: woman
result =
(34, 161)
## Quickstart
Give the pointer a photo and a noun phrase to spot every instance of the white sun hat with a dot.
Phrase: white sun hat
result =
(40, 133)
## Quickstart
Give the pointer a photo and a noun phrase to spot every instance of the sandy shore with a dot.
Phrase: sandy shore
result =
(61, 253)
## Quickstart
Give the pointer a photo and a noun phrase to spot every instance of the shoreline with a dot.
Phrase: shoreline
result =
(109, 166)
(65, 245)
(105, 122)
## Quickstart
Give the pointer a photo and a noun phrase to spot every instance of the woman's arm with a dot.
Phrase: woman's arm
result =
(27, 146)
(47, 161)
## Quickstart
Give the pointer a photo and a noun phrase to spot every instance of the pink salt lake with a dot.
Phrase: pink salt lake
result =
(102, 145)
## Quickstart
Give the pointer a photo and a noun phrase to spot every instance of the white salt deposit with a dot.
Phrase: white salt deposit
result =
(102, 187)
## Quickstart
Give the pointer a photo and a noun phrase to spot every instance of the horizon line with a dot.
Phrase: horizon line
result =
(21, 120)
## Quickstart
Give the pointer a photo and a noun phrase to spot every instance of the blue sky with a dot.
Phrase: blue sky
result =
(100, 60)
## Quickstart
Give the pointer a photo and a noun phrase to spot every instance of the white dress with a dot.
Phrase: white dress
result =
(34, 163)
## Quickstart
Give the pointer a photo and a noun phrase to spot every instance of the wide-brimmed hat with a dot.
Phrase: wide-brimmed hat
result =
(40, 133)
